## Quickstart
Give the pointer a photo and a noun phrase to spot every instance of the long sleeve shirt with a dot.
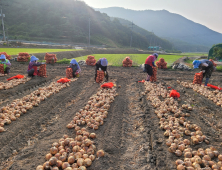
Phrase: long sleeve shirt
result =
(31, 64)
(150, 60)
(5, 63)
(75, 68)
(205, 64)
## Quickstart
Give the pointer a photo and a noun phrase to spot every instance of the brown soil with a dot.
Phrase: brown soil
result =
(130, 136)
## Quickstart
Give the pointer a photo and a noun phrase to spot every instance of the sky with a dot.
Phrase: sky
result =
(205, 12)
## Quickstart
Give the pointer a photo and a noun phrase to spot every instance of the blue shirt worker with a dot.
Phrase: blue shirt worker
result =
(206, 67)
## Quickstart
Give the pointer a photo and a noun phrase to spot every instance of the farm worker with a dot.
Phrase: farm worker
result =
(206, 67)
(148, 65)
(6, 63)
(75, 68)
(102, 64)
(33, 66)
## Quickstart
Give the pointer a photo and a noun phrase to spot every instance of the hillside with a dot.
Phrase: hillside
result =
(67, 21)
(151, 37)
(173, 27)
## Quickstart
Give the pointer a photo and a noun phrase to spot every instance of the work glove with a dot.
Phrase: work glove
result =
(203, 71)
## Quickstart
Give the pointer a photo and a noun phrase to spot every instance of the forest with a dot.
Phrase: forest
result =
(68, 21)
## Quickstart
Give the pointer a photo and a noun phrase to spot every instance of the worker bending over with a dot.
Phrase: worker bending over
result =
(74, 65)
(149, 64)
(206, 67)
(101, 64)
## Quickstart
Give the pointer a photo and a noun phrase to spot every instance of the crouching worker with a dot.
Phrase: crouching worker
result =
(33, 67)
(75, 68)
(6, 64)
(206, 67)
(149, 64)
(101, 64)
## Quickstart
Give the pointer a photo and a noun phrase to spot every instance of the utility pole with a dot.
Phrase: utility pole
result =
(7, 36)
(2, 17)
(131, 40)
(3, 27)
(89, 31)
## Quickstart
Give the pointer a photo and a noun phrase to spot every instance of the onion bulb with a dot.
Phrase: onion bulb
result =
(2, 129)
(92, 135)
(52, 161)
(206, 157)
(82, 168)
(69, 168)
(220, 157)
(71, 159)
(180, 167)
(178, 153)
(100, 153)
(92, 157)
(59, 163)
(48, 156)
(196, 165)
(40, 167)
(80, 162)
(88, 161)
(65, 165)
(46, 165)
(179, 161)
(53, 150)
(188, 155)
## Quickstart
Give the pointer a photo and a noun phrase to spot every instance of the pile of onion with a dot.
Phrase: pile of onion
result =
(173, 121)
(95, 111)
(215, 96)
(79, 152)
(200, 158)
(14, 82)
(19, 107)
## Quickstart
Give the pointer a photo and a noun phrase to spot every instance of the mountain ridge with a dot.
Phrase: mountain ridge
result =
(168, 25)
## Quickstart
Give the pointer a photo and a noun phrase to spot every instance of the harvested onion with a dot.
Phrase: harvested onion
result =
(100, 153)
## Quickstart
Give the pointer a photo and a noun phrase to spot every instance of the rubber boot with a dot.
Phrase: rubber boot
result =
(206, 82)
(106, 76)
(7, 70)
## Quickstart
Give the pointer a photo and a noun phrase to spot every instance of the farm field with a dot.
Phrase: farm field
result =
(130, 136)
(194, 54)
(16, 51)
(116, 59)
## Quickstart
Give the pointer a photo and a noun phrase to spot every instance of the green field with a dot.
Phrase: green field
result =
(194, 54)
(116, 59)
(15, 51)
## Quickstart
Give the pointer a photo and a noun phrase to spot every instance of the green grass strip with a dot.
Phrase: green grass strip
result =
(16, 51)
(116, 59)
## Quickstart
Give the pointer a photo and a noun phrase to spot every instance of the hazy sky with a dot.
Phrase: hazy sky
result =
(205, 12)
